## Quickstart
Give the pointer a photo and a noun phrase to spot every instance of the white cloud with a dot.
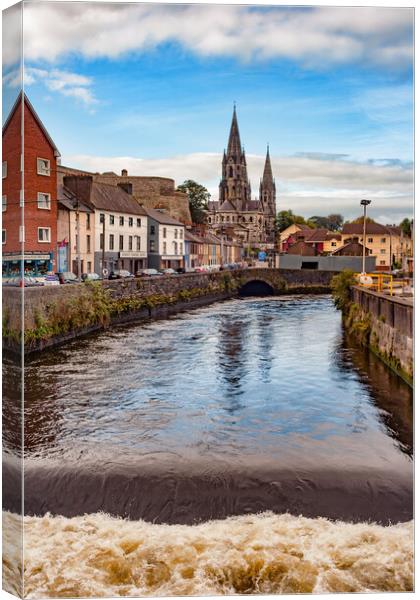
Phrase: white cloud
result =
(317, 36)
(307, 185)
(55, 80)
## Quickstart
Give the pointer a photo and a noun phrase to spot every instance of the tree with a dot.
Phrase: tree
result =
(333, 222)
(406, 225)
(359, 220)
(285, 218)
(198, 197)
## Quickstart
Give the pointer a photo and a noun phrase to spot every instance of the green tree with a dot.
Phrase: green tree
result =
(406, 225)
(285, 218)
(198, 197)
(333, 222)
(359, 220)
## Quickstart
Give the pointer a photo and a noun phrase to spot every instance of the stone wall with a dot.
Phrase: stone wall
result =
(58, 313)
(386, 326)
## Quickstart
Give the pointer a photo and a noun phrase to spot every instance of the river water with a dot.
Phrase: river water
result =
(227, 412)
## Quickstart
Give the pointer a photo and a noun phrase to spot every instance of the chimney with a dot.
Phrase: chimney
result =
(124, 173)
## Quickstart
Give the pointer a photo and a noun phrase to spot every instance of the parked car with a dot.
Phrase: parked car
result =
(67, 277)
(200, 270)
(182, 270)
(91, 277)
(50, 279)
(120, 274)
(26, 281)
(147, 273)
(168, 271)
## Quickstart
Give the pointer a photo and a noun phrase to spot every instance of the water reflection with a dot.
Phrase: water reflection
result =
(245, 387)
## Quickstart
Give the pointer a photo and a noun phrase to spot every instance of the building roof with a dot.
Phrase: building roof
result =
(68, 200)
(322, 235)
(105, 196)
(162, 217)
(35, 116)
(357, 228)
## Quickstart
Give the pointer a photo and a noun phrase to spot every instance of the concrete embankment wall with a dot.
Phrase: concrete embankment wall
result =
(385, 324)
(53, 315)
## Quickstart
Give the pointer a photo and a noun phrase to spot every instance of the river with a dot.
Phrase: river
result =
(210, 419)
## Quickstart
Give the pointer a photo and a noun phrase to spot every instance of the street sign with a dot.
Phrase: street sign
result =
(262, 255)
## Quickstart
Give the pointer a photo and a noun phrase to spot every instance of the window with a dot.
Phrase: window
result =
(101, 241)
(176, 234)
(43, 166)
(152, 245)
(180, 248)
(370, 240)
(383, 240)
(121, 242)
(88, 243)
(130, 242)
(164, 232)
(138, 243)
(4, 203)
(3, 236)
(4, 169)
(111, 219)
(88, 221)
(382, 262)
(164, 248)
(333, 244)
(175, 248)
(44, 200)
(130, 221)
(181, 234)
(44, 234)
(111, 241)
(102, 218)
(138, 222)
(121, 221)
(152, 230)
(89, 267)
(383, 251)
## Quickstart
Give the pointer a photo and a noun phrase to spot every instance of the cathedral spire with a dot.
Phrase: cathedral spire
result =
(234, 144)
(268, 173)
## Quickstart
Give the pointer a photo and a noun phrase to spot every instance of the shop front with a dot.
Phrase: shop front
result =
(133, 260)
(31, 263)
(171, 261)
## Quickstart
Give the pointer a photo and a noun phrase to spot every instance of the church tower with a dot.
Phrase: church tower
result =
(268, 197)
(234, 188)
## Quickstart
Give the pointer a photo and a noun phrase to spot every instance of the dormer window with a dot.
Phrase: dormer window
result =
(43, 167)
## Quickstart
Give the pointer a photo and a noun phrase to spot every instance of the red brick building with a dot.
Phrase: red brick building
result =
(37, 238)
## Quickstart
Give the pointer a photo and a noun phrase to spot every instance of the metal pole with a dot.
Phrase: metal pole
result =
(78, 241)
(364, 240)
(103, 245)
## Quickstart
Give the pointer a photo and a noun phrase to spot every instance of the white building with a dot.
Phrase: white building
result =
(166, 236)
(120, 224)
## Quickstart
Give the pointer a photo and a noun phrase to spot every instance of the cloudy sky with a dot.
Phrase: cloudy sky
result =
(151, 87)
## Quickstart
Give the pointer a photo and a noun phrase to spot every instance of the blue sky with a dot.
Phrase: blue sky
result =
(151, 88)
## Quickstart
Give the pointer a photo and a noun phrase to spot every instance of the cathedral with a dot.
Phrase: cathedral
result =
(250, 221)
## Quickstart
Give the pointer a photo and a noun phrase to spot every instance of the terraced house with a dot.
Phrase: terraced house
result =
(119, 227)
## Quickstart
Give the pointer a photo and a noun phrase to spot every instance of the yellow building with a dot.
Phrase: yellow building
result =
(386, 242)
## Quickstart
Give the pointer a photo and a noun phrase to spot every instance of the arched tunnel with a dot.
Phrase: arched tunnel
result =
(256, 287)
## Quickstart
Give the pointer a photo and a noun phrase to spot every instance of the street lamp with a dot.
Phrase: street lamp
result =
(364, 203)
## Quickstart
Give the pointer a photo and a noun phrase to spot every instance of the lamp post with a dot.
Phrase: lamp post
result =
(364, 203)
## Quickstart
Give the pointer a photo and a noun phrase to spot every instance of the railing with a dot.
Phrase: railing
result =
(381, 282)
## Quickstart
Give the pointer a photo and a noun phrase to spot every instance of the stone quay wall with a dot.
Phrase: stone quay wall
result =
(55, 314)
(385, 325)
